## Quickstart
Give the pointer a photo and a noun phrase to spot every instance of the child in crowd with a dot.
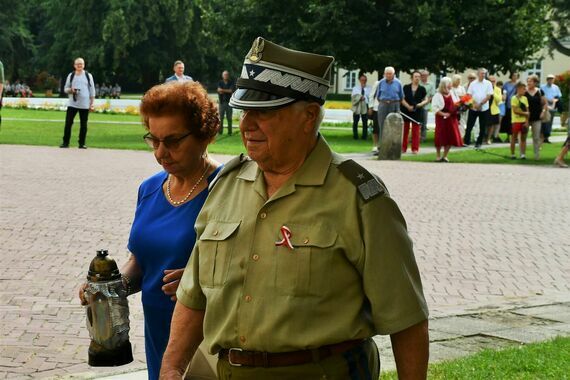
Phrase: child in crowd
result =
(519, 119)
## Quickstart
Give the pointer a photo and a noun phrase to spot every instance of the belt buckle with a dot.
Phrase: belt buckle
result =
(230, 357)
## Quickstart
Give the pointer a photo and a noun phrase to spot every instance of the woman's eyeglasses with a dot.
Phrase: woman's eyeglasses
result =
(170, 142)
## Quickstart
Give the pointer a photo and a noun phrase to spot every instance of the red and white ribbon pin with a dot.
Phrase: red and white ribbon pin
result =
(286, 241)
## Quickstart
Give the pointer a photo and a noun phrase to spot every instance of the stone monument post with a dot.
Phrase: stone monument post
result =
(391, 143)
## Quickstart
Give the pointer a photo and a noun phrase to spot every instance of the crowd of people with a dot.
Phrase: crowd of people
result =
(17, 89)
(22, 90)
(512, 108)
(108, 91)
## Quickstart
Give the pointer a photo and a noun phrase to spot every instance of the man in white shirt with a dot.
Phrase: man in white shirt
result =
(179, 73)
(359, 98)
(481, 90)
(552, 94)
(80, 88)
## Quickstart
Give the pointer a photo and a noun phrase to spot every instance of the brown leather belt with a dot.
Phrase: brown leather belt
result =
(389, 101)
(239, 357)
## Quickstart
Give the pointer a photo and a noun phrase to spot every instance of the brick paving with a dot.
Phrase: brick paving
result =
(487, 237)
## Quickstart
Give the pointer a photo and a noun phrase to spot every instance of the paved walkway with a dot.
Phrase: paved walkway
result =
(491, 242)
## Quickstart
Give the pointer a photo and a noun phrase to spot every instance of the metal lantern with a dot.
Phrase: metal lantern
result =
(107, 313)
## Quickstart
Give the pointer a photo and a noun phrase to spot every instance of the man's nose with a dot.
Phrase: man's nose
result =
(248, 120)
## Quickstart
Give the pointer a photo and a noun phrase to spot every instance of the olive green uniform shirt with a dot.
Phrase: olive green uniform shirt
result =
(351, 274)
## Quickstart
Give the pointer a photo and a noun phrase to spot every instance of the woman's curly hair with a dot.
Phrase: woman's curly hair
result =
(189, 100)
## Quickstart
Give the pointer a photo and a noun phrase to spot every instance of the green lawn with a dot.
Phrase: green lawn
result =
(126, 131)
(38, 127)
(495, 156)
(546, 360)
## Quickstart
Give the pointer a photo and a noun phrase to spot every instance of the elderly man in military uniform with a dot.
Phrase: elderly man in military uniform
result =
(301, 256)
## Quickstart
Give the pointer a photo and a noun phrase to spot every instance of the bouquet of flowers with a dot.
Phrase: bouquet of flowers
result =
(465, 103)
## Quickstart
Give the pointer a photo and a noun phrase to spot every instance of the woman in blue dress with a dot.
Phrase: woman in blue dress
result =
(181, 121)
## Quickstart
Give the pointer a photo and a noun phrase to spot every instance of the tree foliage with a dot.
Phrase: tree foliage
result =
(560, 18)
(135, 42)
(16, 40)
(132, 40)
(408, 34)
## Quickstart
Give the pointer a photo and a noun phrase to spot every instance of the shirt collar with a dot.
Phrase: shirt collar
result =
(315, 168)
(248, 171)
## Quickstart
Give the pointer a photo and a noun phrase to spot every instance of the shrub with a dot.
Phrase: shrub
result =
(44, 81)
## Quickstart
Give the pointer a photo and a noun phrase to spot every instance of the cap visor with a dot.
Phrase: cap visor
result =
(245, 98)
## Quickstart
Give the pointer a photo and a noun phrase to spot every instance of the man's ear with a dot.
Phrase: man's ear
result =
(312, 114)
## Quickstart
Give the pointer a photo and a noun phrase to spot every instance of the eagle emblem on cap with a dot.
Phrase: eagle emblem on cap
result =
(256, 51)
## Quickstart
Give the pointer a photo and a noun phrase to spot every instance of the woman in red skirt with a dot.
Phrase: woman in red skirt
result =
(446, 123)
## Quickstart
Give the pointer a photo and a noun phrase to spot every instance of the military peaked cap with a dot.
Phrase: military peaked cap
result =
(274, 76)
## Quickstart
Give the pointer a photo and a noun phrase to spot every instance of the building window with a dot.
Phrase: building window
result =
(535, 69)
(350, 79)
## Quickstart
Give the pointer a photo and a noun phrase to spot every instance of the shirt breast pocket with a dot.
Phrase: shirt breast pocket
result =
(216, 252)
(305, 270)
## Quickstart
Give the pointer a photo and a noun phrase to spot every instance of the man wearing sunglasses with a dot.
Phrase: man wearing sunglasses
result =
(301, 255)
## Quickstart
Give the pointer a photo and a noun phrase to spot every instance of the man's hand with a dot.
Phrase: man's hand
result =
(186, 334)
(171, 375)
(411, 351)
(172, 280)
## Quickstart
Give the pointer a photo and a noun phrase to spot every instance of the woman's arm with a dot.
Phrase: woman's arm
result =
(132, 275)
(517, 110)
(423, 96)
(543, 102)
(438, 104)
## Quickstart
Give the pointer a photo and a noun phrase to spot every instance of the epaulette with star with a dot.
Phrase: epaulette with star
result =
(369, 186)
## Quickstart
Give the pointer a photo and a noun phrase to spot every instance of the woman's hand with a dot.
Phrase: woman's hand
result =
(82, 289)
(171, 281)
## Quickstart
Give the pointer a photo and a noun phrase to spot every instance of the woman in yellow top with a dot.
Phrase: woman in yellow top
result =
(494, 121)
(519, 119)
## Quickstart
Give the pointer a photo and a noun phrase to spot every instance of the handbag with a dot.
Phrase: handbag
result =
(545, 116)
